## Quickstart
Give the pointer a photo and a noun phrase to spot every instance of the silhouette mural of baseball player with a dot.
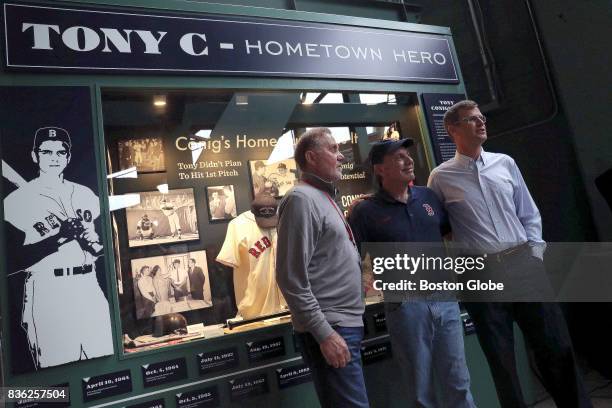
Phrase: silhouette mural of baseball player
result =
(65, 313)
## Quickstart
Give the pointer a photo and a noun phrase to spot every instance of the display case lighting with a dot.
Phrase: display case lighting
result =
(159, 101)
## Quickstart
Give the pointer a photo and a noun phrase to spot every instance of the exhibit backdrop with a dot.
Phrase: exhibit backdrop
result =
(55, 273)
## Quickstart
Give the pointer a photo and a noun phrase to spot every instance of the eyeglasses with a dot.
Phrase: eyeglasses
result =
(473, 119)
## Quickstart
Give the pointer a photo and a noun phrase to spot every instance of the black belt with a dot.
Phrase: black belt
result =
(75, 270)
(506, 253)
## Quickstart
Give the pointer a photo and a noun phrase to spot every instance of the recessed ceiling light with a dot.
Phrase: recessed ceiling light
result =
(159, 100)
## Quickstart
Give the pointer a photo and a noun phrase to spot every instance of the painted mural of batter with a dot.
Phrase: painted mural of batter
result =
(65, 313)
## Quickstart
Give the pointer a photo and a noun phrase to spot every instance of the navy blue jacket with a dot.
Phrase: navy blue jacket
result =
(382, 218)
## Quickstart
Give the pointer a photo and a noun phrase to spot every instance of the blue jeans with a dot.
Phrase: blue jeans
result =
(336, 387)
(427, 339)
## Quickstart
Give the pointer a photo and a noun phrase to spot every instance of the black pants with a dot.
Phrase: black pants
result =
(544, 328)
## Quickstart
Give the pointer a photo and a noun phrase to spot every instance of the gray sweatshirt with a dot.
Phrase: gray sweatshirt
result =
(317, 266)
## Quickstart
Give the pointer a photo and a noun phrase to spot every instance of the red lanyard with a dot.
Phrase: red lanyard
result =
(346, 225)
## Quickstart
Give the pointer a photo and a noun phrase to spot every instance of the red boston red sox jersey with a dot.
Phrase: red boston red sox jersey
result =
(251, 251)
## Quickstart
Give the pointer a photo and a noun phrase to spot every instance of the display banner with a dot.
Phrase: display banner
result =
(58, 310)
(93, 40)
(164, 372)
(244, 132)
(435, 106)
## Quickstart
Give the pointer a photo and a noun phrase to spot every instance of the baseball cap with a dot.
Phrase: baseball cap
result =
(264, 207)
(51, 133)
(381, 149)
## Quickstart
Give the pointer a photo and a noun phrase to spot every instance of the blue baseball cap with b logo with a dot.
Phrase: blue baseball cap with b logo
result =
(385, 147)
(52, 133)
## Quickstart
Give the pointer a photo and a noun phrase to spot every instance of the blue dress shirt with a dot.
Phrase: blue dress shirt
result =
(489, 206)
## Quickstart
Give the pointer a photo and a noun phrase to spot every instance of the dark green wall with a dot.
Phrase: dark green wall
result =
(577, 39)
(533, 81)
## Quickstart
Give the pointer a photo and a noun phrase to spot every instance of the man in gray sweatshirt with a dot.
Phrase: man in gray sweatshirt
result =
(318, 271)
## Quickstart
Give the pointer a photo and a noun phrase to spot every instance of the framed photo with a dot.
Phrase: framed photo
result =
(170, 284)
(221, 203)
(146, 154)
(276, 178)
(163, 218)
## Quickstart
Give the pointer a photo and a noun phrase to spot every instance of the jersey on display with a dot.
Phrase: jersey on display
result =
(251, 251)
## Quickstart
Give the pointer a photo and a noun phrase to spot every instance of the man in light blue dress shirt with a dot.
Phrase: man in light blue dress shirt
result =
(491, 211)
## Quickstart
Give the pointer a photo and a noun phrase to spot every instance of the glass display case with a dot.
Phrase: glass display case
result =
(187, 171)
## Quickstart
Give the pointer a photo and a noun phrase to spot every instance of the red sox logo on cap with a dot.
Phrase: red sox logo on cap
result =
(429, 210)
(52, 133)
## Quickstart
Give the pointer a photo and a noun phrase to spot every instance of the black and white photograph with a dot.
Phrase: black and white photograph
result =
(163, 218)
(170, 284)
(146, 154)
(221, 203)
(275, 178)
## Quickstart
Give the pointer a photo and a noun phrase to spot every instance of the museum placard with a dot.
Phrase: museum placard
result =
(164, 372)
(435, 106)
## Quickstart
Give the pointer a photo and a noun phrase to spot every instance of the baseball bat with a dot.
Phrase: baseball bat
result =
(11, 175)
